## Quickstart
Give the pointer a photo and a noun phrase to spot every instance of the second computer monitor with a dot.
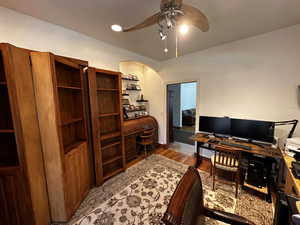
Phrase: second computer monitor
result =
(216, 125)
(253, 129)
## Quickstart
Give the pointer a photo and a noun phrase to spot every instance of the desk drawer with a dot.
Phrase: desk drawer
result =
(131, 147)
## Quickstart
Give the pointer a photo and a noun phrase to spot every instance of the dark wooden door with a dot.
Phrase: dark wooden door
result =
(170, 116)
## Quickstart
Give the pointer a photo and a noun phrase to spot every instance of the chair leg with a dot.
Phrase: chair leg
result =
(145, 150)
(213, 177)
(236, 184)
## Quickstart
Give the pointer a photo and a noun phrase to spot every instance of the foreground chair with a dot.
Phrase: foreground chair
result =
(186, 205)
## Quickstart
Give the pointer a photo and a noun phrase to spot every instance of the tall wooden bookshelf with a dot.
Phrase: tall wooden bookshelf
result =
(60, 102)
(23, 192)
(107, 123)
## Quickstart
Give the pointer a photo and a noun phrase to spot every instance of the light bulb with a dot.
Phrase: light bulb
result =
(162, 35)
(183, 29)
(166, 50)
(116, 28)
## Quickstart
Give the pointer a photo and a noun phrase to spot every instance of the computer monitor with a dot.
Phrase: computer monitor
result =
(253, 130)
(216, 125)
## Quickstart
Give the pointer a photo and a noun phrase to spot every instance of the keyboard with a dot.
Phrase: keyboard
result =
(235, 145)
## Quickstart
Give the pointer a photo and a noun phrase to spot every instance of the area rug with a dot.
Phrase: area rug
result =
(141, 195)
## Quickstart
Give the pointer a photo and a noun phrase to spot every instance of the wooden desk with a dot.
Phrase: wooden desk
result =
(267, 151)
(132, 129)
(292, 184)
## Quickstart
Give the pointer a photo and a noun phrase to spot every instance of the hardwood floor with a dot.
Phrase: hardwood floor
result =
(177, 156)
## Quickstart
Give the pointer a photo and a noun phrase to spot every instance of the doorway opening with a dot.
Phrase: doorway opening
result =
(181, 116)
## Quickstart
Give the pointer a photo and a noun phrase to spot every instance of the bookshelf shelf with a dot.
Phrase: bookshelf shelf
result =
(133, 89)
(107, 89)
(6, 131)
(111, 160)
(109, 114)
(129, 79)
(111, 145)
(110, 135)
(69, 87)
(72, 121)
(72, 146)
(111, 174)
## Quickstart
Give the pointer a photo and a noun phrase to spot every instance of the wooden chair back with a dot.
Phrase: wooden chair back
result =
(226, 157)
(147, 136)
(147, 133)
(186, 203)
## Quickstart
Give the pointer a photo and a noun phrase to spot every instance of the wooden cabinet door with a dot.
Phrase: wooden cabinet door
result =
(77, 177)
(15, 207)
(131, 151)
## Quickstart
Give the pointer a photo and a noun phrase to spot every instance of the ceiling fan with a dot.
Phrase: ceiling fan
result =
(172, 13)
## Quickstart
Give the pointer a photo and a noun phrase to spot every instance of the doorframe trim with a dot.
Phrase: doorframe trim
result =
(167, 103)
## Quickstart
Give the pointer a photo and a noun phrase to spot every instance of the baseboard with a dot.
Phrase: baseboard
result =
(164, 146)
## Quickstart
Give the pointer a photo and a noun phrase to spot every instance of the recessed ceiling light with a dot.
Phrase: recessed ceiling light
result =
(116, 28)
(166, 50)
(183, 29)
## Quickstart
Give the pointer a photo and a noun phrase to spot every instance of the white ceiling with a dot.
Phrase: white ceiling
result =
(229, 20)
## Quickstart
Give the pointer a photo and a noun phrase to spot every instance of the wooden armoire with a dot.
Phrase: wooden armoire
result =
(105, 93)
(59, 92)
(23, 192)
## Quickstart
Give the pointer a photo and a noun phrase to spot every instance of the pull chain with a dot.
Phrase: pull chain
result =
(176, 42)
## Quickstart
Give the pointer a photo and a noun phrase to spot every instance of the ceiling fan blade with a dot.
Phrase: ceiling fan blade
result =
(195, 17)
(146, 23)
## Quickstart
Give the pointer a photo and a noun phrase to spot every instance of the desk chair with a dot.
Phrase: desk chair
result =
(186, 205)
(226, 160)
(146, 139)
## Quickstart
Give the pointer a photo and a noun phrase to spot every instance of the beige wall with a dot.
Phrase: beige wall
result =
(255, 78)
(28, 32)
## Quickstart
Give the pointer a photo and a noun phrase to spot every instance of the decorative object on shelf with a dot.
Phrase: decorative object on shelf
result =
(142, 99)
(130, 77)
(124, 93)
(173, 14)
(138, 87)
(125, 101)
(138, 109)
(133, 87)
(125, 115)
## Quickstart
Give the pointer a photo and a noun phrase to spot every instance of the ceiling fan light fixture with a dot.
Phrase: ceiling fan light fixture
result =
(116, 28)
(162, 35)
(184, 29)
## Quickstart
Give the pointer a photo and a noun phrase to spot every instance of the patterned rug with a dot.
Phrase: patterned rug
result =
(141, 195)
